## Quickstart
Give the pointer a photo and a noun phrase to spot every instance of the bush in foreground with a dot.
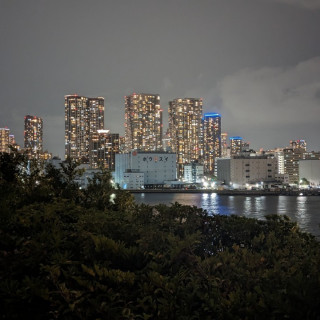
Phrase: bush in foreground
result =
(84, 257)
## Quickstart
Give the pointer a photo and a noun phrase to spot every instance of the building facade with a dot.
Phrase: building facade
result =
(292, 158)
(33, 136)
(279, 155)
(103, 148)
(193, 172)
(242, 170)
(4, 140)
(225, 149)
(235, 145)
(83, 117)
(298, 144)
(211, 140)
(143, 122)
(185, 130)
(291, 163)
(13, 143)
(154, 167)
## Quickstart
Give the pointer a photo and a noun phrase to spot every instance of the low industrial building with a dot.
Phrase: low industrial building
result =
(193, 172)
(240, 171)
(153, 168)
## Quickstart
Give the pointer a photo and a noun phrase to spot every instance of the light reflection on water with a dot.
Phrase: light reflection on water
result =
(304, 210)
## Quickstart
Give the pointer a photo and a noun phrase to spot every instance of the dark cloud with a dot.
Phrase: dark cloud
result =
(174, 48)
(268, 98)
(308, 4)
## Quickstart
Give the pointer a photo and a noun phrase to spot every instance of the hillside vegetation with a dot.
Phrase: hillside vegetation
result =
(67, 253)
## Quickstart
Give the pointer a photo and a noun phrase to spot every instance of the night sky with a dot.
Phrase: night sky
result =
(256, 62)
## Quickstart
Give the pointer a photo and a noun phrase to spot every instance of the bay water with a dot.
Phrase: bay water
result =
(305, 210)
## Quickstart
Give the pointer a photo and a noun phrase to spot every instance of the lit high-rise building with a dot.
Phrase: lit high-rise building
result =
(224, 145)
(185, 130)
(103, 148)
(96, 114)
(211, 140)
(33, 136)
(122, 144)
(12, 140)
(279, 155)
(13, 143)
(166, 141)
(291, 163)
(143, 122)
(83, 116)
(292, 157)
(4, 139)
(235, 145)
(294, 144)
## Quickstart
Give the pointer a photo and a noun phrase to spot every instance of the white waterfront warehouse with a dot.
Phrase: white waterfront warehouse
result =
(137, 169)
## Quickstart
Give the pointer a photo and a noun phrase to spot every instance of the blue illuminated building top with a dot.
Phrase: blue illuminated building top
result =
(212, 114)
(235, 138)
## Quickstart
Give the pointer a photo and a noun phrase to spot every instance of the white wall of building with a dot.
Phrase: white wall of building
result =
(280, 161)
(157, 167)
(132, 180)
(193, 172)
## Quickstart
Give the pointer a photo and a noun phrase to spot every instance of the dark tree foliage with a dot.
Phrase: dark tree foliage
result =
(96, 254)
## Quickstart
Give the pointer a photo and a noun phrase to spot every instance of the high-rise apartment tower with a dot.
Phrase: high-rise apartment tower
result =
(295, 144)
(224, 145)
(103, 148)
(185, 130)
(4, 139)
(83, 116)
(235, 145)
(143, 122)
(33, 136)
(211, 140)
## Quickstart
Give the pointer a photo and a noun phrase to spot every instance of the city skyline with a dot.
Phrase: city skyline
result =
(93, 121)
(257, 63)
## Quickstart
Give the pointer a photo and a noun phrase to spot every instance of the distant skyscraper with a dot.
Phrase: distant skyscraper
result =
(294, 144)
(96, 114)
(33, 136)
(166, 141)
(83, 116)
(246, 146)
(122, 144)
(4, 139)
(103, 148)
(13, 143)
(143, 122)
(211, 140)
(12, 140)
(235, 145)
(185, 130)
(224, 145)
